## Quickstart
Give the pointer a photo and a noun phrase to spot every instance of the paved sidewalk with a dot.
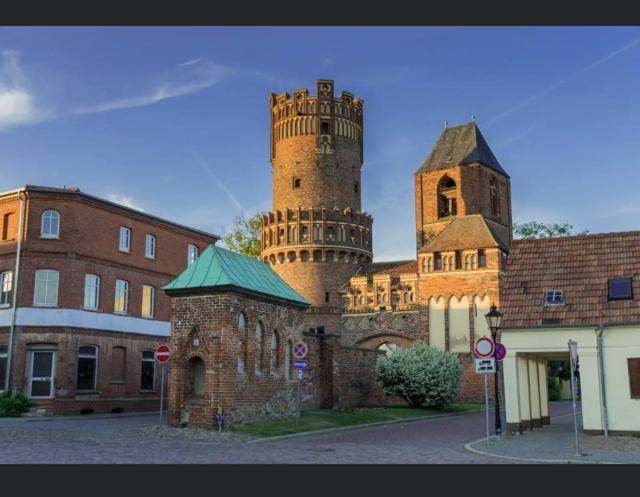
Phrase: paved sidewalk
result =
(555, 443)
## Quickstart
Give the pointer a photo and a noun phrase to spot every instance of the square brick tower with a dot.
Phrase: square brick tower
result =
(317, 237)
(463, 235)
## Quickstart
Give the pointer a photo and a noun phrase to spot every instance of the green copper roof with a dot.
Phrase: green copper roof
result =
(218, 267)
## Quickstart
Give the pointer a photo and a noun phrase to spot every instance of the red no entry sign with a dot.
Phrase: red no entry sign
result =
(484, 347)
(163, 353)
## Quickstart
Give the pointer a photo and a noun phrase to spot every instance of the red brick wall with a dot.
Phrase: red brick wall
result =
(109, 394)
(89, 234)
(243, 395)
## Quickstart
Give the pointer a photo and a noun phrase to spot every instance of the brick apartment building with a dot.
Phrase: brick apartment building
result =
(81, 306)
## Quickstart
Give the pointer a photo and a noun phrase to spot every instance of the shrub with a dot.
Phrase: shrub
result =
(13, 404)
(420, 375)
(555, 389)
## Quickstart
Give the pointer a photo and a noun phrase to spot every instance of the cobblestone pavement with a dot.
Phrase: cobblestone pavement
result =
(138, 439)
(556, 442)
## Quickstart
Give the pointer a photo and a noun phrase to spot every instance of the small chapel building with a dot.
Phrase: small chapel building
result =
(233, 325)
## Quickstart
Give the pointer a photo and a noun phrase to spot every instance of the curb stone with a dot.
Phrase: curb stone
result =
(469, 446)
(32, 419)
(361, 426)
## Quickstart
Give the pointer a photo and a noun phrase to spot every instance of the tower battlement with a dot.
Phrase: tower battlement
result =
(341, 230)
(325, 116)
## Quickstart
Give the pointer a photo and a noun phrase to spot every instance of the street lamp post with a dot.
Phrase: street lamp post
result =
(494, 318)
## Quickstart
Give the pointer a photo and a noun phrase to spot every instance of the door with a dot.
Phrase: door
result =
(41, 364)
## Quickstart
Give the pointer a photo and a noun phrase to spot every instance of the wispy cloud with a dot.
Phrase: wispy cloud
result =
(515, 138)
(207, 170)
(192, 77)
(17, 101)
(326, 61)
(551, 88)
(125, 200)
(17, 105)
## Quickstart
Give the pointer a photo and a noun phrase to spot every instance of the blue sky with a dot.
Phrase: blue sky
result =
(175, 120)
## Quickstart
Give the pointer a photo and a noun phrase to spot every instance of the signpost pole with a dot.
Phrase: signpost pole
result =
(300, 373)
(573, 352)
(161, 392)
(486, 405)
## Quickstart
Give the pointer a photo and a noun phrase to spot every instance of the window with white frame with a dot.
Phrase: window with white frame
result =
(121, 303)
(87, 367)
(147, 380)
(6, 288)
(150, 247)
(148, 300)
(554, 297)
(46, 287)
(192, 254)
(125, 239)
(50, 227)
(91, 291)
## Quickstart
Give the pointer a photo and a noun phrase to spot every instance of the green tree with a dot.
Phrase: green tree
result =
(535, 229)
(244, 238)
(420, 375)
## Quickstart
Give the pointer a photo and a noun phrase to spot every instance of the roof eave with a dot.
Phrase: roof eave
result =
(202, 290)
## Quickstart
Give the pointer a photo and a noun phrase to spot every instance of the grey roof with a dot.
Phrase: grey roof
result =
(460, 145)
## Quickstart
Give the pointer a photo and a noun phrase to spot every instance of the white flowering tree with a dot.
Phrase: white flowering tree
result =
(420, 375)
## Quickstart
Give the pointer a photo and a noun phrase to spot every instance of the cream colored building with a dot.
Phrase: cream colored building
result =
(584, 288)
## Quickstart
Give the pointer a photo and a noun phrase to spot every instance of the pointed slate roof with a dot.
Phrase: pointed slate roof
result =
(221, 269)
(461, 145)
(467, 232)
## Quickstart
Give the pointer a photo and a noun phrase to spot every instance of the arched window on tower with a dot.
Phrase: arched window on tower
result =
(447, 205)
(495, 203)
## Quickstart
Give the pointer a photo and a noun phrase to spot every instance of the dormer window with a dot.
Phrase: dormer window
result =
(447, 204)
(620, 289)
(554, 297)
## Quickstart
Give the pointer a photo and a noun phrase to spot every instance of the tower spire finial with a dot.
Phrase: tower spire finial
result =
(446, 124)
(473, 117)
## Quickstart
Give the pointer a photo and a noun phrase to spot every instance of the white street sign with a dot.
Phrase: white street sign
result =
(485, 365)
(573, 351)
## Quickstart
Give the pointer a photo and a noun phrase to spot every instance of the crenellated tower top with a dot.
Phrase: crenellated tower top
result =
(325, 116)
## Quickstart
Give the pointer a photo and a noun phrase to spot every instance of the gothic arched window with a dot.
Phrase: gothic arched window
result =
(447, 204)
(495, 203)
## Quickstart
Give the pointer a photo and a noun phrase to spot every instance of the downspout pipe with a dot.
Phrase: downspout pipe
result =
(16, 286)
(605, 415)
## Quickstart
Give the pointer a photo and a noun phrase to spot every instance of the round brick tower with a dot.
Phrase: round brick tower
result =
(316, 237)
